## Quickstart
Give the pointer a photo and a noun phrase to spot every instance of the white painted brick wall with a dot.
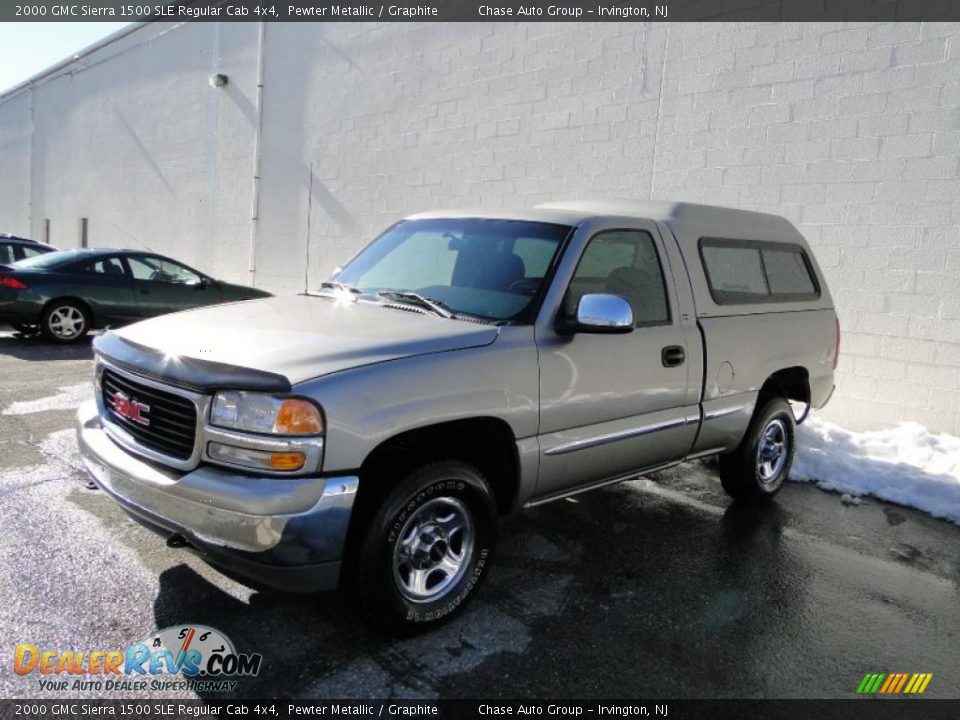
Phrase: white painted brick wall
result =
(871, 172)
(15, 179)
(139, 143)
(850, 130)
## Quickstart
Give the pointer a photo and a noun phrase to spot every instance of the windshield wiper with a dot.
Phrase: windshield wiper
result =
(415, 298)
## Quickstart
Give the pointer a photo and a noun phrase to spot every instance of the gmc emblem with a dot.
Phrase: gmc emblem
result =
(132, 410)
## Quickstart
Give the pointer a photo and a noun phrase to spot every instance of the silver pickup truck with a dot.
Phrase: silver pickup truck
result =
(462, 366)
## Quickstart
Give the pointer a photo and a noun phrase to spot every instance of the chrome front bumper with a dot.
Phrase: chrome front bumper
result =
(285, 532)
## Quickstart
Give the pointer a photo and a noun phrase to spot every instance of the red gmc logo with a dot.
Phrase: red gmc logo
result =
(130, 409)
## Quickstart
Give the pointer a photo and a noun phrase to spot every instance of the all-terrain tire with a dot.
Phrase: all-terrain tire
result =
(757, 469)
(425, 550)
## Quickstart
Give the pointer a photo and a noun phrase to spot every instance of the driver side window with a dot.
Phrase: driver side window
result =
(157, 269)
(624, 263)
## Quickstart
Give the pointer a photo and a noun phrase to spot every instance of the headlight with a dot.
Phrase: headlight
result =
(260, 413)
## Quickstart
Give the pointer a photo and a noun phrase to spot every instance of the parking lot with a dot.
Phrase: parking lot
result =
(655, 588)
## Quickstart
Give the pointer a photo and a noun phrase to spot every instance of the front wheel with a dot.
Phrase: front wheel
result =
(756, 470)
(426, 549)
(65, 321)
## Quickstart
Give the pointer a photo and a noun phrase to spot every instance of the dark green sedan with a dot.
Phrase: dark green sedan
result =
(66, 294)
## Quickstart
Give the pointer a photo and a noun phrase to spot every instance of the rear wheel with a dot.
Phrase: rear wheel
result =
(756, 470)
(65, 321)
(26, 329)
(426, 549)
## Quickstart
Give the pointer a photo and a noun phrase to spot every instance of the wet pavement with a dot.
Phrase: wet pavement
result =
(655, 588)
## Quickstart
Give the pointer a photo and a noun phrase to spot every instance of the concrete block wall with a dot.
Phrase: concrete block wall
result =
(15, 153)
(853, 132)
(133, 138)
(400, 118)
(850, 130)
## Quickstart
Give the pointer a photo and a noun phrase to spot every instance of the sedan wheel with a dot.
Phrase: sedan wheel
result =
(26, 329)
(65, 322)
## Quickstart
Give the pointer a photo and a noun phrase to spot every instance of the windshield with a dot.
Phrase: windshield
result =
(492, 269)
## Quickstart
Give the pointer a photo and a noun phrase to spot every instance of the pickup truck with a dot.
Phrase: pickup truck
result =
(463, 366)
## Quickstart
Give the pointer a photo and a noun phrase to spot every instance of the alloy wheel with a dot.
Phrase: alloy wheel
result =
(433, 550)
(66, 322)
(771, 451)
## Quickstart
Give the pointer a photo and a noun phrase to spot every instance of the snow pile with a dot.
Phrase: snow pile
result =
(906, 465)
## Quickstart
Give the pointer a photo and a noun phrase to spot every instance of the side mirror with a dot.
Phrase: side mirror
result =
(603, 313)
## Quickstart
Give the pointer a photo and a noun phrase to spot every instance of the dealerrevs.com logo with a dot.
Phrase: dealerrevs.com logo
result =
(184, 657)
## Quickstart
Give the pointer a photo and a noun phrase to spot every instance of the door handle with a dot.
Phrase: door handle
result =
(672, 356)
(144, 291)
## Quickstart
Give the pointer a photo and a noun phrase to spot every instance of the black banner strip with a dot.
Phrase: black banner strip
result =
(864, 708)
(488, 11)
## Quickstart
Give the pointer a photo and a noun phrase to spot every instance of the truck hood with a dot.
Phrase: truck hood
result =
(295, 337)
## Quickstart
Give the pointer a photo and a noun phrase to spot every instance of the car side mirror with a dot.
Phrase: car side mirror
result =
(603, 313)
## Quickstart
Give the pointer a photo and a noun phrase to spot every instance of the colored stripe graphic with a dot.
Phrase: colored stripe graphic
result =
(870, 683)
(894, 683)
(918, 683)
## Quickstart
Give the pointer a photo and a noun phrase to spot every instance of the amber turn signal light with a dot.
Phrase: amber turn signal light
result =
(287, 461)
(298, 417)
(256, 459)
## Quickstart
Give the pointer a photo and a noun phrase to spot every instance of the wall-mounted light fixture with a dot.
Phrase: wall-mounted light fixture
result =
(218, 80)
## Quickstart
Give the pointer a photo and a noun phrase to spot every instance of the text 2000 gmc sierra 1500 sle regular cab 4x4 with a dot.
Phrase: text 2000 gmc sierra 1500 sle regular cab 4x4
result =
(462, 366)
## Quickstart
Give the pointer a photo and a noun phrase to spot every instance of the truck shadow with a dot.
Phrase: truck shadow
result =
(38, 348)
(287, 629)
(640, 585)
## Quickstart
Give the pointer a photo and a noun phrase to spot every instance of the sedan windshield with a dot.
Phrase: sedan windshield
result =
(492, 269)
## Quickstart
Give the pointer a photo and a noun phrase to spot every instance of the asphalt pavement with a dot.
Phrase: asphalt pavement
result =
(654, 588)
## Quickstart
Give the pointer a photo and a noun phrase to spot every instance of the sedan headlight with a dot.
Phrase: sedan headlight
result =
(261, 413)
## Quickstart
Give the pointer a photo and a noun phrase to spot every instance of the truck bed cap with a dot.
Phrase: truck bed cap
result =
(572, 212)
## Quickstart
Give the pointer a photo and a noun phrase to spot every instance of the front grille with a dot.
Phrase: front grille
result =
(168, 422)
